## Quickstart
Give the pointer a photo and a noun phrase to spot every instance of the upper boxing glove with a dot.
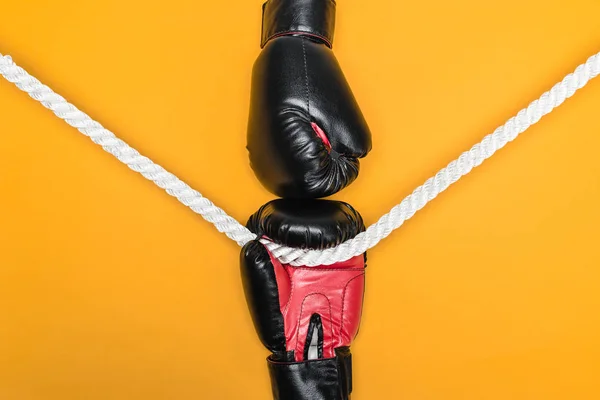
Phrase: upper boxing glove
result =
(305, 131)
(306, 316)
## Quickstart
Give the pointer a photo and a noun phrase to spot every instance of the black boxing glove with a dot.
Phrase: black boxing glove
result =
(305, 131)
(306, 316)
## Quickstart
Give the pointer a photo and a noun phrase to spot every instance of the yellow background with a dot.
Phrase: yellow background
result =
(110, 289)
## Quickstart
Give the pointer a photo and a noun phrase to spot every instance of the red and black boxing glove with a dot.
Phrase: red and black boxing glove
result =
(306, 316)
(305, 131)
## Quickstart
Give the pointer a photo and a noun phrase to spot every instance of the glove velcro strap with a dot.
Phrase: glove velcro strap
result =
(314, 18)
(325, 379)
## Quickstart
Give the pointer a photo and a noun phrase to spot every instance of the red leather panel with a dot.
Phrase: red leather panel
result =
(321, 134)
(335, 292)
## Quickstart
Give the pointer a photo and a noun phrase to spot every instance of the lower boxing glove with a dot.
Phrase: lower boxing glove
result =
(306, 316)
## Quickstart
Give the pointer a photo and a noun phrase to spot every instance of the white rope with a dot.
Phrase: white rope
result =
(123, 152)
(358, 245)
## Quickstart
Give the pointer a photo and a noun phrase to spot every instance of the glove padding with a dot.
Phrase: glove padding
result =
(305, 131)
(306, 316)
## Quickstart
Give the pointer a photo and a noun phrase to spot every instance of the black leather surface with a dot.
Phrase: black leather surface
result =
(262, 296)
(327, 379)
(297, 81)
(307, 223)
(314, 18)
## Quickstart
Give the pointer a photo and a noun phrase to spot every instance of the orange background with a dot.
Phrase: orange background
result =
(110, 289)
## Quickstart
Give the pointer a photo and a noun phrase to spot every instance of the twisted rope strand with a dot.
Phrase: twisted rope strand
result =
(455, 169)
(123, 152)
(241, 235)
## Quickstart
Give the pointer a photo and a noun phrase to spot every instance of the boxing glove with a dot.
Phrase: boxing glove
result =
(306, 316)
(305, 131)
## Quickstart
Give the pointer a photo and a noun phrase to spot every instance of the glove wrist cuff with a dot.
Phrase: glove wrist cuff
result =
(313, 18)
(327, 379)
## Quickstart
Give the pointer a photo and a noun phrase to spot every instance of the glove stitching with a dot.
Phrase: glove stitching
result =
(327, 269)
(300, 316)
(285, 308)
(306, 78)
(343, 298)
(292, 32)
(285, 268)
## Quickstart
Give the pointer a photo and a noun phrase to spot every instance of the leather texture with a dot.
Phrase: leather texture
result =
(313, 224)
(299, 97)
(313, 18)
(328, 379)
(262, 291)
(290, 305)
